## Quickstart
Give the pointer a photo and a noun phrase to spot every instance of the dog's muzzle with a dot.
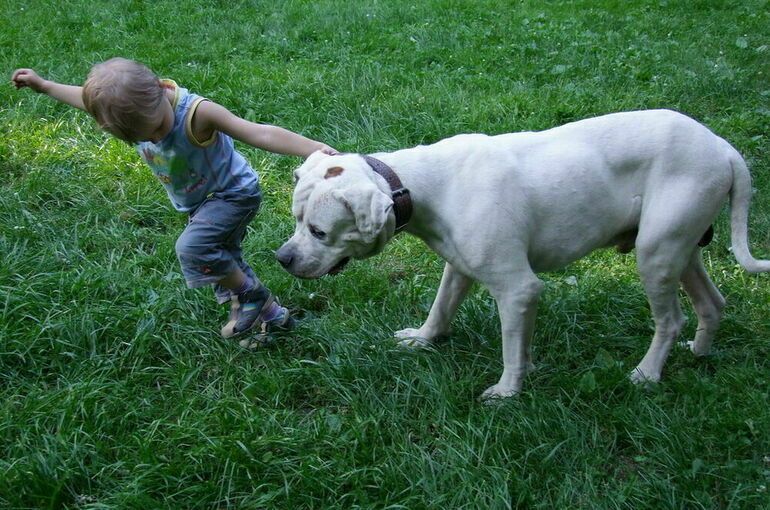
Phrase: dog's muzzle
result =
(339, 266)
(286, 256)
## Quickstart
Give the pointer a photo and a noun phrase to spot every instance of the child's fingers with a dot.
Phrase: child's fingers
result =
(331, 151)
(18, 77)
(23, 78)
(22, 75)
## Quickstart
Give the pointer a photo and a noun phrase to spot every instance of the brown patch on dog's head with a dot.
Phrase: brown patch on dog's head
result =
(333, 172)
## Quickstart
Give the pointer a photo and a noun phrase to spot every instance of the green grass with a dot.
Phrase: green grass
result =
(116, 392)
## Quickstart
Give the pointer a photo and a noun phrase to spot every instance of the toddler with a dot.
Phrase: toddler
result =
(187, 141)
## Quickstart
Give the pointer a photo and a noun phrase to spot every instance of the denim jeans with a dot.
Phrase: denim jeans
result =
(209, 248)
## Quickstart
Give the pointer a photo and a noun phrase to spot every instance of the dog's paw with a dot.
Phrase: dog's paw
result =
(494, 394)
(643, 377)
(410, 339)
(408, 333)
(415, 343)
(698, 348)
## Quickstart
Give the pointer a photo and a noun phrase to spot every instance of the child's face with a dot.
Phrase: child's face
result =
(160, 126)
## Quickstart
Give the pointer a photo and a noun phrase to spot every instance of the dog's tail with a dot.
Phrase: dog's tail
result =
(740, 196)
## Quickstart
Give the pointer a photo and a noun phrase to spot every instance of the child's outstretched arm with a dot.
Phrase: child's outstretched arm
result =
(67, 94)
(210, 117)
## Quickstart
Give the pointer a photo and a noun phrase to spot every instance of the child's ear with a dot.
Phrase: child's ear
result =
(309, 163)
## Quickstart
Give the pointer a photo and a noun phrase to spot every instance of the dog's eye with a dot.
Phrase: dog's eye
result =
(318, 234)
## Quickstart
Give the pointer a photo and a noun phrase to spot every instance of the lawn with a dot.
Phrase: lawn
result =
(117, 392)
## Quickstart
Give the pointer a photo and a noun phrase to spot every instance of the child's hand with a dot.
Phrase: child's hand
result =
(329, 150)
(28, 78)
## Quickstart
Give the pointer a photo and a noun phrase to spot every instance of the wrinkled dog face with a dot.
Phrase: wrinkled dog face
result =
(340, 214)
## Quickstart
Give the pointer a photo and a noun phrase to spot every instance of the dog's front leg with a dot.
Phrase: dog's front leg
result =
(517, 305)
(451, 292)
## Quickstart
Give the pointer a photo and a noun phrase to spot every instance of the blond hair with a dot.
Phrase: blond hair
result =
(123, 96)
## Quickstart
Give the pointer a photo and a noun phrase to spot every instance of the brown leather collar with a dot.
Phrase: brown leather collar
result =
(402, 200)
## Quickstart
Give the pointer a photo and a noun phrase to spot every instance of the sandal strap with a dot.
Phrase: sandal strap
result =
(269, 301)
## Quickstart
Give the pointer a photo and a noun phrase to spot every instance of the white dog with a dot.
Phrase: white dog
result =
(500, 209)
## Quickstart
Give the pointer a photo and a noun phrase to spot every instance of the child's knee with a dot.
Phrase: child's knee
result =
(187, 244)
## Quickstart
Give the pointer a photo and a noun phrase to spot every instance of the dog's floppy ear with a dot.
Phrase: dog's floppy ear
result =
(309, 163)
(370, 207)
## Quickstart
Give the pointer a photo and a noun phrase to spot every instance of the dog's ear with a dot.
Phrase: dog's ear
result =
(309, 163)
(370, 207)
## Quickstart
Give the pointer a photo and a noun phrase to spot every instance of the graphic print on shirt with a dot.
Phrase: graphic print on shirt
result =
(172, 169)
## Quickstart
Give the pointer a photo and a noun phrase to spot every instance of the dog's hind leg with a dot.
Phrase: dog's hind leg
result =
(707, 302)
(451, 292)
(660, 278)
(663, 251)
(674, 217)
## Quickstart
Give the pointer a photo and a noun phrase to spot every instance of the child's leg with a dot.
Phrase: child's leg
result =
(210, 253)
(242, 274)
(205, 248)
(252, 304)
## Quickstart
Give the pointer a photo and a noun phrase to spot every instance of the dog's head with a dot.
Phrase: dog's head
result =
(340, 212)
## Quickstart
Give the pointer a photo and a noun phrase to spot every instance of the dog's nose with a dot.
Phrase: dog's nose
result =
(285, 256)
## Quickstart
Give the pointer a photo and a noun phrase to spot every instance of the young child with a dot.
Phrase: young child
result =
(187, 141)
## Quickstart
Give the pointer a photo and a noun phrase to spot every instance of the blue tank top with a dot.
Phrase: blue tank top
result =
(191, 170)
